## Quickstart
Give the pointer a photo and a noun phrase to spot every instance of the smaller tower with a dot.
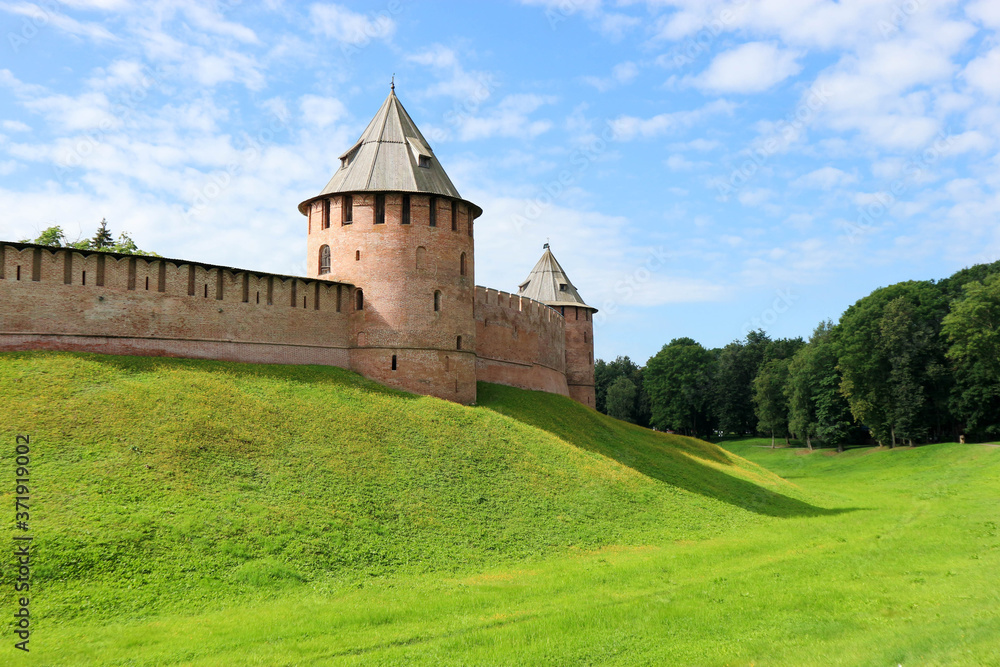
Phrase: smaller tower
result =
(549, 284)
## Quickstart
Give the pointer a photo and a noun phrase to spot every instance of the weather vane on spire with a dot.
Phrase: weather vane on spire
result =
(392, 85)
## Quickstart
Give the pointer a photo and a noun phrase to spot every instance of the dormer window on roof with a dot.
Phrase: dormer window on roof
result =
(391, 156)
(562, 287)
(348, 157)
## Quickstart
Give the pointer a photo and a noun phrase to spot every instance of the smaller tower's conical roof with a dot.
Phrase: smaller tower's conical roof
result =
(391, 156)
(549, 284)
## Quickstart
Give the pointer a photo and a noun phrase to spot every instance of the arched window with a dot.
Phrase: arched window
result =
(394, 362)
(357, 255)
(359, 300)
(437, 300)
(461, 265)
(458, 343)
(421, 257)
(324, 259)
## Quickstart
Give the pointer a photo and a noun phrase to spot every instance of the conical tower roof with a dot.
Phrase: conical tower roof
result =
(391, 156)
(549, 284)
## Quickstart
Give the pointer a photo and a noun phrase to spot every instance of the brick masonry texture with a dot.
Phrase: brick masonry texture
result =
(397, 303)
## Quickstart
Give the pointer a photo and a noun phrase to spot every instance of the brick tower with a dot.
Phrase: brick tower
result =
(549, 284)
(391, 223)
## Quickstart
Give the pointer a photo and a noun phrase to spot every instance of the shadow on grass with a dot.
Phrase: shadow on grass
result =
(666, 458)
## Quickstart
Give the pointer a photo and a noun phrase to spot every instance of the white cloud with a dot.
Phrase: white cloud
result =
(679, 163)
(321, 111)
(698, 144)
(750, 68)
(41, 16)
(825, 178)
(211, 21)
(755, 196)
(615, 25)
(508, 119)
(981, 73)
(16, 126)
(210, 69)
(350, 27)
(626, 128)
(88, 111)
(621, 74)
(985, 11)
(472, 87)
(438, 56)
(968, 141)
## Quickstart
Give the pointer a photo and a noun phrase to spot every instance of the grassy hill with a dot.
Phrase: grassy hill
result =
(202, 513)
(165, 484)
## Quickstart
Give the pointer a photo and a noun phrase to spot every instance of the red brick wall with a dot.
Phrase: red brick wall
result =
(520, 342)
(580, 354)
(145, 307)
(101, 302)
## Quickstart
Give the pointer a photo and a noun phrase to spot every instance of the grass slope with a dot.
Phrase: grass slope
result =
(166, 484)
(303, 516)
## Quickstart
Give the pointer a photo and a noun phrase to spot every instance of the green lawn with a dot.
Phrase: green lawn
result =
(223, 514)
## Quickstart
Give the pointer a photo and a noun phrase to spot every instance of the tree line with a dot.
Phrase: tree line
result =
(917, 361)
(103, 239)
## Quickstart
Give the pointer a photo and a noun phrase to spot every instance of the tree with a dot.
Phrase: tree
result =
(892, 361)
(605, 374)
(770, 403)
(678, 379)
(973, 330)
(103, 240)
(52, 236)
(621, 399)
(738, 364)
(816, 406)
(973, 325)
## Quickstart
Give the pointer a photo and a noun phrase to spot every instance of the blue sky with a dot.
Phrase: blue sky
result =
(700, 167)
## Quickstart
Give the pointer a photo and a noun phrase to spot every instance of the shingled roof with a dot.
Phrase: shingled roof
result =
(549, 284)
(391, 156)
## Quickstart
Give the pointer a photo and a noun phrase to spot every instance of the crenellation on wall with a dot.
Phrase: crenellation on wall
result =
(82, 315)
(520, 342)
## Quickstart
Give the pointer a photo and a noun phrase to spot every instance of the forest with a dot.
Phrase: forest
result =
(914, 362)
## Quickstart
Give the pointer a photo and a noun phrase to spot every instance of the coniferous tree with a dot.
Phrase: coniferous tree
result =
(103, 240)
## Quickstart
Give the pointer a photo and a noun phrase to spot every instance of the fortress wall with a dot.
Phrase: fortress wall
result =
(101, 302)
(519, 342)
